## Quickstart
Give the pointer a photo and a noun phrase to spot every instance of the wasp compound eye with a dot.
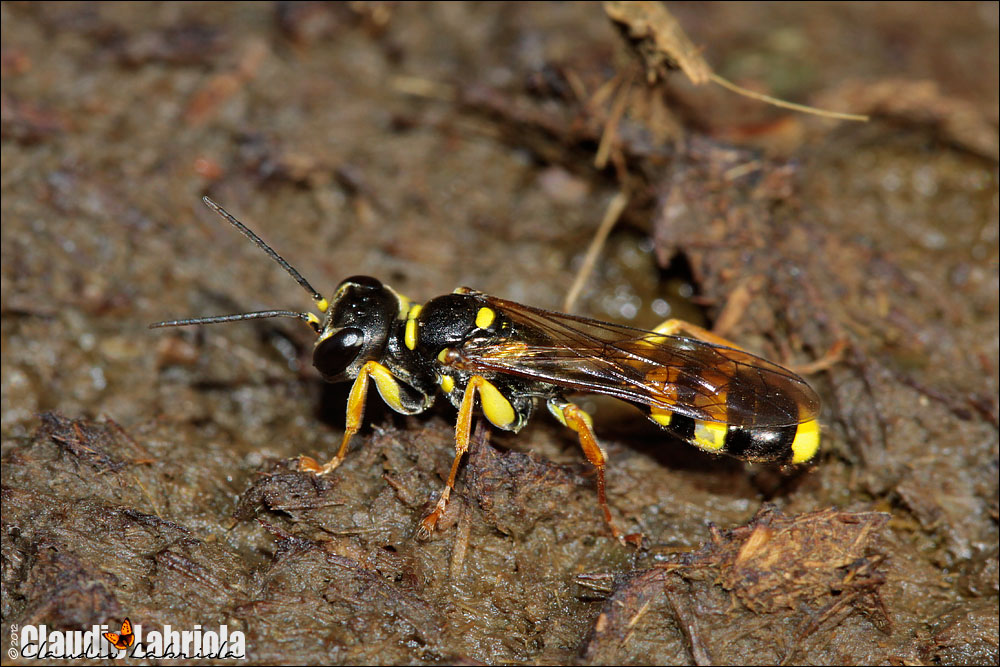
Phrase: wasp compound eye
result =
(334, 354)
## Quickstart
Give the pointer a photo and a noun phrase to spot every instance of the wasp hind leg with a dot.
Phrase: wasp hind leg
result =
(571, 415)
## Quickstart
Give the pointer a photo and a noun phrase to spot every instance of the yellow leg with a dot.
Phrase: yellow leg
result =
(578, 420)
(682, 328)
(355, 413)
(463, 429)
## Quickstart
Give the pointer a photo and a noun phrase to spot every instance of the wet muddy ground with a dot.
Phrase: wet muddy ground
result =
(151, 474)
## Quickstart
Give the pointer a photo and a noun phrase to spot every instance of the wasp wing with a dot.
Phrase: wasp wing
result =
(688, 376)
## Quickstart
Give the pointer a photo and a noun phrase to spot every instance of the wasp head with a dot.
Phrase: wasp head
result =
(357, 327)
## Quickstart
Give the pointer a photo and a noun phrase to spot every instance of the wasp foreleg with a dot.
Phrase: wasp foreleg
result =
(388, 389)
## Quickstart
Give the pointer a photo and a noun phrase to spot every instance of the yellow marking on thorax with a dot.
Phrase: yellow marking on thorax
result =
(485, 317)
(410, 335)
(710, 436)
(387, 386)
(496, 407)
(447, 383)
(443, 355)
(806, 441)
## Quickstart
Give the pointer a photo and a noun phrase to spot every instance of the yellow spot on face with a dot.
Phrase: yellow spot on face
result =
(485, 317)
(806, 441)
(710, 436)
(410, 335)
(496, 407)
(387, 387)
(313, 320)
(447, 383)
(323, 305)
(443, 355)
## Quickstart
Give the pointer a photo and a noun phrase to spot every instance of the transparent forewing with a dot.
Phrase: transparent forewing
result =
(672, 373)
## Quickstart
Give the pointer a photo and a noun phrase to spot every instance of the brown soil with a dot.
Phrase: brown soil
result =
(151, 474)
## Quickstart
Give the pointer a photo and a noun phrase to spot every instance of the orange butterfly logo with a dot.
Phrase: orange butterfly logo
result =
(122, 640)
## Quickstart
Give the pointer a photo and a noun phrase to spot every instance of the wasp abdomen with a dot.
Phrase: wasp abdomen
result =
(796, 443)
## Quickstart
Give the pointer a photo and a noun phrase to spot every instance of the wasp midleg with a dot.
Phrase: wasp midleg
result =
(511, 413)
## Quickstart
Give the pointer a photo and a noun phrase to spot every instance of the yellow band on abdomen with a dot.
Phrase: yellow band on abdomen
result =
(806, 442)
(710, 436)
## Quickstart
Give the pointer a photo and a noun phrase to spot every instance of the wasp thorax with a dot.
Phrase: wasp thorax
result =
(356, 329)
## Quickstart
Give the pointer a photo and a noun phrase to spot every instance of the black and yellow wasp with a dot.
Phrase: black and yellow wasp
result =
(698, 387)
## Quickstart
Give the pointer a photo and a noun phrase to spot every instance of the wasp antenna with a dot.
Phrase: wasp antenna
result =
(310, 319)
(247, 232)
